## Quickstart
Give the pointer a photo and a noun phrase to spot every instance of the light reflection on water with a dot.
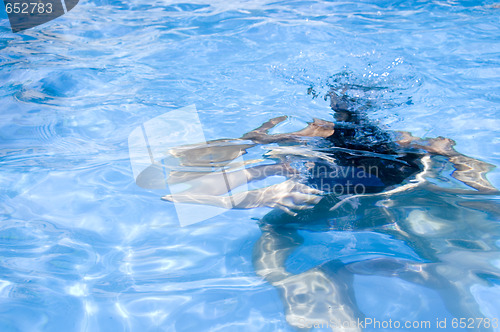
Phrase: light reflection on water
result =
(83, 248)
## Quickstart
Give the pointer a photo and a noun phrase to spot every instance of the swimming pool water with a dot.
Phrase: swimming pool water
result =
(83, 248)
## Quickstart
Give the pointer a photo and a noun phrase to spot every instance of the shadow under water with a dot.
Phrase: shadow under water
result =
(455, 237)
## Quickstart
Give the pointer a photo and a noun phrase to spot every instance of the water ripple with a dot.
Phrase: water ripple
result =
(83, 248)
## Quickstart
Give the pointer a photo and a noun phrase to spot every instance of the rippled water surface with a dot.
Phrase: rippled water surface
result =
(83, 248)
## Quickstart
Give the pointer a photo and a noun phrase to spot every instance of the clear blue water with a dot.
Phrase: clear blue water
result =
(83, 248)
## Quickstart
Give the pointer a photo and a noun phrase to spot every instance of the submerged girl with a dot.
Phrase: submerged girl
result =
(352, 175)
